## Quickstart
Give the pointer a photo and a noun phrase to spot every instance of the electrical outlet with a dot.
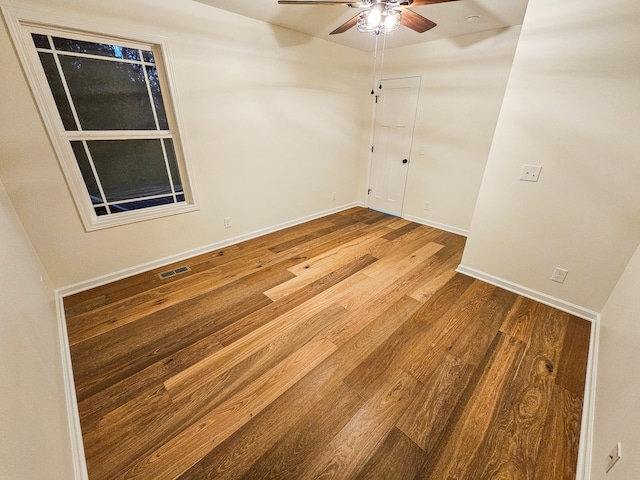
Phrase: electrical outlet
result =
(559, 275)
(227, 222)
(427, 205)
(530, 173)
(614, 456)
(334, 195)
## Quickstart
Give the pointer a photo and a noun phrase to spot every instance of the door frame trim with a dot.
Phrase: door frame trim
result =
(371, 136)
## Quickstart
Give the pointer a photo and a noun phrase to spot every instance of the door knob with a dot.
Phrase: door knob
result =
(405, 161)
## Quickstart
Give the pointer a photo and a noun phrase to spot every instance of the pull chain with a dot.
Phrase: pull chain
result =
(375, 57)
(384, 44)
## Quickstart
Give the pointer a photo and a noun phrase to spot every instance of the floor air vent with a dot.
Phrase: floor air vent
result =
(171, 273)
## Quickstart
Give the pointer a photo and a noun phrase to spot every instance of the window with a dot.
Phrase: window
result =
(106, 102)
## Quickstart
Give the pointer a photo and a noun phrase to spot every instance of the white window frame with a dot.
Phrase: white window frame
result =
(21, 24)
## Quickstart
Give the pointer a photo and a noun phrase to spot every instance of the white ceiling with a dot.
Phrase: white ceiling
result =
(318, 21)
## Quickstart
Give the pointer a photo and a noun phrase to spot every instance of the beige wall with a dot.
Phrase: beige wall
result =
(618, 392)
(463, 82)
(34, 443)
(572, 105)
(274, 123)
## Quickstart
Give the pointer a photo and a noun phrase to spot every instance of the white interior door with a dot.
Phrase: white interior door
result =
(392, 137)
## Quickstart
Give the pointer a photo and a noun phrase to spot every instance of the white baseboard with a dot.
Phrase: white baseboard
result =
(585, 451)
(73, 417)
(144, 267)
(439, 226)
(583, 470)
(558, 303)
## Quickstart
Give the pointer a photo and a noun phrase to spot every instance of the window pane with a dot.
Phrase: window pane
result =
(41, 41)
(102, 49)
(152, 73)
(57, 89)
(147, 55)
(130, 169)
(101, 211)
(173, 165)
(87, 172)
(108, 95)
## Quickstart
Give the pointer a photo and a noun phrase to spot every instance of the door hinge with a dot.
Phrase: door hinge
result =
(372, 148)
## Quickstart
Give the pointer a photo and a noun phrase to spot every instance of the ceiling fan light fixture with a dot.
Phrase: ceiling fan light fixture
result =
(379, 19)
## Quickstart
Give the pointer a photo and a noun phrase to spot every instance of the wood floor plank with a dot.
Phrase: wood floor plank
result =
(187, 448)
(462, 445)
(353, 446)
(575, 353)
(471, 344)
(521, 319)
(396, 459)
(427, 415)
(286, 458)
(510, 448)
(561, 437)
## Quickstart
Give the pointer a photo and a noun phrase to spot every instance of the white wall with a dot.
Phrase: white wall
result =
(572, 105)
(274, 123)
(618, 391)
(463, 82)
(34, 442)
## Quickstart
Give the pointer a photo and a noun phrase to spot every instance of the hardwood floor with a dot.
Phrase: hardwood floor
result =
(346, 347)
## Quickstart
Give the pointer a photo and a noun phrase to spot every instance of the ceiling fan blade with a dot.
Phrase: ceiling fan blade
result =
(416, 22)
(315, 2)
(346, 25)
(418, 3)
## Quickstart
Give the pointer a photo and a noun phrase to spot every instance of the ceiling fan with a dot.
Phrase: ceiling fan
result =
(378, 16)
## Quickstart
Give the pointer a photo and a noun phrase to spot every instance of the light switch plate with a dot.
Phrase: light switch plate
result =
(530, 173)
(614, 456)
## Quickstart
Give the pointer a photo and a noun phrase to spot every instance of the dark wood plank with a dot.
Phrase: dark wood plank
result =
(428, 414)
(396, 459)
(286, 458)
(558, 453)
(346, 454)
(460, 446)
(572, 369)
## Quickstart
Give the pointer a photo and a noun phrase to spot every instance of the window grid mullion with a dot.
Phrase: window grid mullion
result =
(149, 93)
(93, 56)
(166, 166)
(97, 178)
(138, 199)
(64, 84)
